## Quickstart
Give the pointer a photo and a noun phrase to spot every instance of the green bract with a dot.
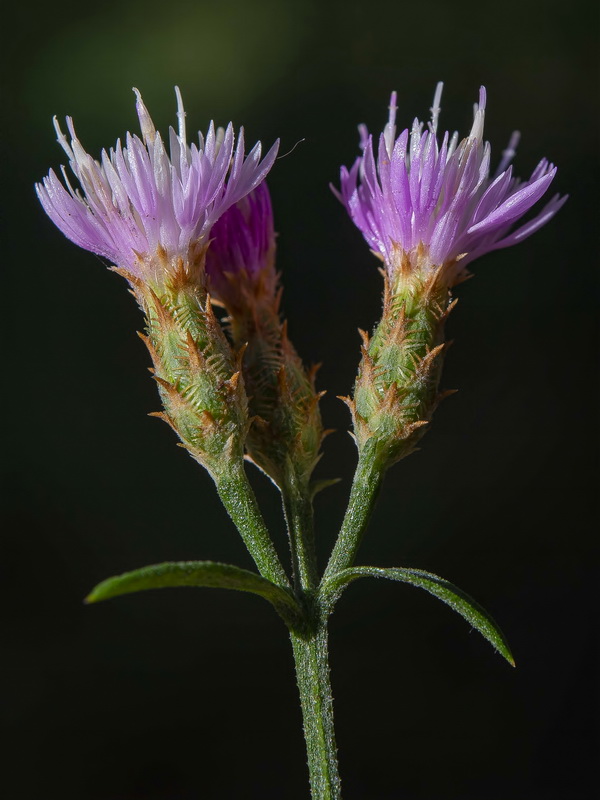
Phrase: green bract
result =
(396, 389)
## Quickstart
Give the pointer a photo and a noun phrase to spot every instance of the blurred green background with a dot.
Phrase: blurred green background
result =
(185, 695)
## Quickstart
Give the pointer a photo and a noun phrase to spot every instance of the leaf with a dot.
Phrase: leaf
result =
(199, 573)
(460, 601)
(318, 486)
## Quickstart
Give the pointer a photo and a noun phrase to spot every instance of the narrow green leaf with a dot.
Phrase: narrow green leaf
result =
(199, 573)
(318, 486)
(460, 601)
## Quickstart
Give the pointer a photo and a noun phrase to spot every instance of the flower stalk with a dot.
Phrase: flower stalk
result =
(363, 496)
(238, 498)
(312, 675)
(298, 512)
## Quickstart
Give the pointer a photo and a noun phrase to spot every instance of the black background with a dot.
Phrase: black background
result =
(190, 694)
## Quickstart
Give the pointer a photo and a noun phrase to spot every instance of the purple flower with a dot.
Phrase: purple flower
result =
(241, 255)
(431, 205)
(142, 208)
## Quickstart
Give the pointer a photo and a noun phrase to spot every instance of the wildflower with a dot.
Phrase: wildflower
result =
(142, 209)
(286, 430)
(427, 210)
(430, 205)
(151, 215)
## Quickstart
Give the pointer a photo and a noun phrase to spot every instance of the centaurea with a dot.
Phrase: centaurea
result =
(147, 210)
(430, 205)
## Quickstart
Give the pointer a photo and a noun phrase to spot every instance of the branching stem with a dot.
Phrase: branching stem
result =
(363, 495)
(239, 500)
(298, 511)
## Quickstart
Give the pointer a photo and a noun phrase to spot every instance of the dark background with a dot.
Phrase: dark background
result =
(190, 694)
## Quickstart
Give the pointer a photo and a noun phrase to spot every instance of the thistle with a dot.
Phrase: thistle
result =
(427, 210)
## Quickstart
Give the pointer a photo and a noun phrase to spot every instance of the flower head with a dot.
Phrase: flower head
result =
(285, 433)
(142, 208)
(241, 255)
(428, 204)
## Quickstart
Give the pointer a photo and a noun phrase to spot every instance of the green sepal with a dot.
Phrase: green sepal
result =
(200, 573)
(454, 597)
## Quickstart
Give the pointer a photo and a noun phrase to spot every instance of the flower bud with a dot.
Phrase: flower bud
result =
(286, 431)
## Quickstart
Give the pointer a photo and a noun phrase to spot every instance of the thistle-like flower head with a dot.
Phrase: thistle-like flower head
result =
(146, 210)
(240, 261)
(428, 205)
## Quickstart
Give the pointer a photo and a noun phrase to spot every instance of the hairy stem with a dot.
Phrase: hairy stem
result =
(298, 511)
(363, 495)
(239, 500)
(312, 673)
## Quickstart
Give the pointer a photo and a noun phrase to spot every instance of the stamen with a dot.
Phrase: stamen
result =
(389, 132)
(364, 136)
(72, 191)
(452, 145)
(436, 108)
(219, 139)
(478, 116)
(415, 138)
(509, 153)
(180, 115)
(146, 124)
(62, 139)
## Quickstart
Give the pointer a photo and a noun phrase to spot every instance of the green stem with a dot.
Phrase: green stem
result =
(365, 488)
(312, 673)
(298, 511)
(239, 500)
